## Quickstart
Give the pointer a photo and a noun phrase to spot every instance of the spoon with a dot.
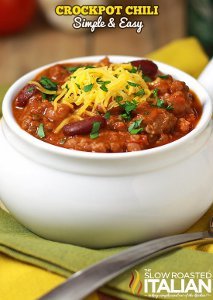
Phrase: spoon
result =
(84, 282)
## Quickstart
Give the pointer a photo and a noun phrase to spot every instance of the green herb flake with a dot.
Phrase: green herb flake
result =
(78, 85)
(44, 96)
(146, 78)
(48, 83)
(40, 131)
(118, 99)
(160, 103)
(126, 117)
(88, 87)
(31, 89)
(169, 107)
(128, 107)
(133, 84)
(62, 141)
(136, 131)
(140, 93)
(133, 70)
(163, 76)
(107, 115)
(89, 67)
(104, 88)
(72, 69)
(52, 97)
(131, 127)
(102, 82)
(155, 93)
(135, 128)
(138, 123)
(95, 130)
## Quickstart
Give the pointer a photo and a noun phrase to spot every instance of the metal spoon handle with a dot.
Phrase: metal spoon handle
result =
(84, 282)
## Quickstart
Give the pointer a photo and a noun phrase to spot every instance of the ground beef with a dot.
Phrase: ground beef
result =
(159, 121)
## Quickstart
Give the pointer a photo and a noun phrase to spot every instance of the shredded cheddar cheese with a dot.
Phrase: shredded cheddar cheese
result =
(92, 87)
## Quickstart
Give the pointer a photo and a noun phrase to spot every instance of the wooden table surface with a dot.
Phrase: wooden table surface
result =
(41, 44)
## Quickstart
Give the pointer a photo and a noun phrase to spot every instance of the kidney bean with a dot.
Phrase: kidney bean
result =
(84, 126)
(25, 94)
(148, 67)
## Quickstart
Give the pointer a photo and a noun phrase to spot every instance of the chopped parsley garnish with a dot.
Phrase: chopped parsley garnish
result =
(128, 107)
(40, 131)
(126, 117)
(136, 131)
(135, 128)
(146, 78)
(72, 69)
(44, 96)
(169, 107)
(140, 93)
(107, 115)
(88, 87)
(160, 103)
(89, 67)
(133, 70)
(31, 89)
(48, 84)
(104, 88)
(52, 97)
(118, 99)
(163, 76)
(133, 84)
(95, 130)
(155, 93)
(103, 84)
(62, 141)
(78, 85)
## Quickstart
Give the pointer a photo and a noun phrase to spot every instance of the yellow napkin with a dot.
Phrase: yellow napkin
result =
(21, 281)
(185, 54)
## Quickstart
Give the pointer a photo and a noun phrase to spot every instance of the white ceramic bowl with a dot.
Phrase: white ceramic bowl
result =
(103, 200)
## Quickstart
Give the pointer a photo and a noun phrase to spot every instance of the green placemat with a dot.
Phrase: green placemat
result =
(64, 259)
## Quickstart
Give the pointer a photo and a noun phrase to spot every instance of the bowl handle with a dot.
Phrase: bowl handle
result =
(206, 78)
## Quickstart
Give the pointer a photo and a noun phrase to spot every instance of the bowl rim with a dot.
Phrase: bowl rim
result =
(41, 145)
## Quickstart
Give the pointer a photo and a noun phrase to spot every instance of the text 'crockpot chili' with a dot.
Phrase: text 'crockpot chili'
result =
(105, 107)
